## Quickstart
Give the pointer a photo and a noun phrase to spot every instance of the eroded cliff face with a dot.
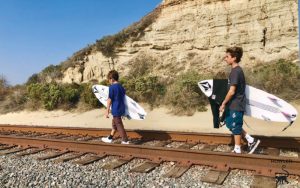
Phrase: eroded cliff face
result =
(193, 34)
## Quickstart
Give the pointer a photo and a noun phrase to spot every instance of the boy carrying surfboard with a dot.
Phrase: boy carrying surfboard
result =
(235, 101)
(116, 102)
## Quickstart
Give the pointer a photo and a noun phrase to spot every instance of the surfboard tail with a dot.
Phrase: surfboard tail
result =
(142, 116)
(128, 117)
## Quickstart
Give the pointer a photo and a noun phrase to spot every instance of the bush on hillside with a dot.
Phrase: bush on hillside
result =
(108, 44)
(34, 92)
(141, 66)
(280, 78)
(33, 79)
(147, 89)
(87, 96)
(184, 97)
(16, 100)
(70, 95)
(52, 96)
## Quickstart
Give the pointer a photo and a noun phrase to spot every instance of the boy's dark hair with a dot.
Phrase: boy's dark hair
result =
(236, 52)
(113, 74)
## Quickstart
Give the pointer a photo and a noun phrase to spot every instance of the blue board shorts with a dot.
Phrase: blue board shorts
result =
(234, 121)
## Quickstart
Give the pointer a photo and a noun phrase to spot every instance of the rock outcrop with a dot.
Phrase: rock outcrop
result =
(193, 34)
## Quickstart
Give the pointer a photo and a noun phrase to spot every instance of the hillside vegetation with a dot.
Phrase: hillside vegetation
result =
(179, 94)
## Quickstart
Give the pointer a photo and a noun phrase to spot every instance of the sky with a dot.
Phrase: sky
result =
(37, 33)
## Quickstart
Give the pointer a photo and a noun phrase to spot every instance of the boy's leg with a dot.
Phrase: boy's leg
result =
(237, 144)
(248, 137)
(112, 133)
(120, 127)
(114, 128)
(237, 140)
(234, 122)
(252, 142)
(109, 139)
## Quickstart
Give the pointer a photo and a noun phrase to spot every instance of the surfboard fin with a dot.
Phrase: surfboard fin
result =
(128, 117)
(141, 116)
(285, 128)
(95, 90)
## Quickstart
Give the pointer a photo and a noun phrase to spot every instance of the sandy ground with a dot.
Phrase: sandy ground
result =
(157, 119)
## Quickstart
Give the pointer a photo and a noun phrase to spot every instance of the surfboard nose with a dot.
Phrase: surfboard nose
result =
(94, 89)
(206, 86)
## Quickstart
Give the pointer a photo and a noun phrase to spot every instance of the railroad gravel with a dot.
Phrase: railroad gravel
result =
(223, 148)
(174, 144)
(29, 172)
(288, 153)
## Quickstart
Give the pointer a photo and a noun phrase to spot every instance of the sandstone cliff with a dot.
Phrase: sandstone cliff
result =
(193, 34)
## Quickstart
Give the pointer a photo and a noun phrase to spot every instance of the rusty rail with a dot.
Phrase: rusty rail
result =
(274, 142)
(262, 165)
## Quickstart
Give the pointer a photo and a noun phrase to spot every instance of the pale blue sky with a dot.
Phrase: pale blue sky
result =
(37, 33)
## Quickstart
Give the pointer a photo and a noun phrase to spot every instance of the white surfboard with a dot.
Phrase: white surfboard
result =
(132, 109)
(259, 104)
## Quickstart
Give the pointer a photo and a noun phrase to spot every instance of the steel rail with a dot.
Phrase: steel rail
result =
(261, 164)
(274, 142)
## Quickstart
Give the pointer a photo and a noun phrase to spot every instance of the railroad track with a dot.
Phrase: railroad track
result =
(156, 147)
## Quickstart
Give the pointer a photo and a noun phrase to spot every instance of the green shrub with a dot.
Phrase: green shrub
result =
(71, 95)
(49, 96)
(108, 44)
(184, 97)
(87, 96)
(148, 89)
(52, 96)
(280, 78)
(34, 92)
(33, 79)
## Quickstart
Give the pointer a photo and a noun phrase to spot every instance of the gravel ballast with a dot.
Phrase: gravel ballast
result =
(29, 172)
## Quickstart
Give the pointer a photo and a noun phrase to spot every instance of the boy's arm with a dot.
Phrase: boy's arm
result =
(229, 95)
(108, 108)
